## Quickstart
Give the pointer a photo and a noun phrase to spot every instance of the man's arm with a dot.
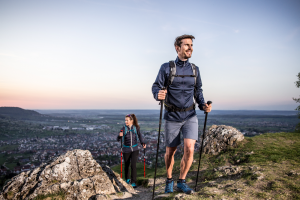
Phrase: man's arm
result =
(198, 91)
(160, 83)
(199, 94)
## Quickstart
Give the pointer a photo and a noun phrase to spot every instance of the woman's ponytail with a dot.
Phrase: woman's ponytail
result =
(135, 121)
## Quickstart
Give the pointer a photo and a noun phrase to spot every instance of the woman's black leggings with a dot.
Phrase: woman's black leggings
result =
(131, 158)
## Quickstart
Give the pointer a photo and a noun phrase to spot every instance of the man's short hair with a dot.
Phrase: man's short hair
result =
(179, 38)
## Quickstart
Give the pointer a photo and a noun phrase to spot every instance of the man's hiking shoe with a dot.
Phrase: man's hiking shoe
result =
(128, 181)
(133, 185)
(169, 186)
(182, 186)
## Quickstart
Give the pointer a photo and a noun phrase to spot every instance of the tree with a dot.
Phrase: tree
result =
(297, 83)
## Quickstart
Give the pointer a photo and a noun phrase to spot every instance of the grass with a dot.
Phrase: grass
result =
(273, 147)
(140, 171)
(2, 159)
(9, 147)
(11, 166)
(54, 196)
(274, 155)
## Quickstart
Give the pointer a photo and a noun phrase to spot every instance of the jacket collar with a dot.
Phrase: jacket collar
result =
(180, 62)
(130, 128)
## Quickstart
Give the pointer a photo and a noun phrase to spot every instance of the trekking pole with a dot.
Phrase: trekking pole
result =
(121, 152)
(144, 163)
(201, 149)
(160, 116)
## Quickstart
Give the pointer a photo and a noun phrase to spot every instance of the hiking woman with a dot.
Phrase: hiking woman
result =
(130, 135)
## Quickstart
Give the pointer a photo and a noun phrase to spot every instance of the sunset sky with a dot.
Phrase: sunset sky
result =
(93, 54)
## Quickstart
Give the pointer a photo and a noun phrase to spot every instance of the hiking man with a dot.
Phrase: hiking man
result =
(183, 84)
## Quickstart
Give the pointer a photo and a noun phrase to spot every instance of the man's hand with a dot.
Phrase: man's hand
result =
(207, 108)
(162, 94)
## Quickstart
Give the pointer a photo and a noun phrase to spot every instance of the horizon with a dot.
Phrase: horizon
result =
(198, 110)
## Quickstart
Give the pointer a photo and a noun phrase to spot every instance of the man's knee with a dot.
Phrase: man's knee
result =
(170, 151)
(189, 148)
(189, 151)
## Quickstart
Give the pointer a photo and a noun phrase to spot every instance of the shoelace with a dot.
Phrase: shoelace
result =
(185, 186)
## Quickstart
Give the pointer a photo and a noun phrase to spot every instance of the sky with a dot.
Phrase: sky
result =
(94, 54)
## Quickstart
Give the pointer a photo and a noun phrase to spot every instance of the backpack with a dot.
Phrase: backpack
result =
(172, 75)
(137, 138)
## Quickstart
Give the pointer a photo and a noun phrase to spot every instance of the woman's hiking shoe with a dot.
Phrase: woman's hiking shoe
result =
(128, 181)
(169, 186)
(133, 185)
(182, 186)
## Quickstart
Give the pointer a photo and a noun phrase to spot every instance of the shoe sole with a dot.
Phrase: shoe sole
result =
(180, 190)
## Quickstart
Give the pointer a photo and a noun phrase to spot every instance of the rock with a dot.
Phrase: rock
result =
(212, 184)
(258, 175)
(162, 196)
(253, 168)
(219, 138)
(293, 173)
(250, 153)
(75, 173)
(238, 190)
(227, 170)
(180, 196)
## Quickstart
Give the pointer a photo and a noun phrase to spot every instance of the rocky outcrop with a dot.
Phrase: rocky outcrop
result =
(219, 138)
(75, 174)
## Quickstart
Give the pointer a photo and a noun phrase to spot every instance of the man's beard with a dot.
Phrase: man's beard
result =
(186, 56)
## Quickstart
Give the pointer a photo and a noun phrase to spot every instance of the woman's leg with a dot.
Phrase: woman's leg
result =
(134, 158)
(127, 157)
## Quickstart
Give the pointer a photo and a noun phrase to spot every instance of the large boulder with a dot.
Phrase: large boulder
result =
(75, 174)
(219, 138)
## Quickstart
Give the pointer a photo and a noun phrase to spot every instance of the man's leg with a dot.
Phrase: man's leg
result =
(190, 135)
(187, 158)
(172, 139)
(169, 160)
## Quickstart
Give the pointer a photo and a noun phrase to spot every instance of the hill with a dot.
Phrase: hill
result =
(19, 113)
(261, 167)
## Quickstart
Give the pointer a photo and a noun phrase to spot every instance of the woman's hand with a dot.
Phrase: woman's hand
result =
(121, 134)
(144, 146)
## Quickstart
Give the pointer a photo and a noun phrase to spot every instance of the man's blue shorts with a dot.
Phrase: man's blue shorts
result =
(189, 129)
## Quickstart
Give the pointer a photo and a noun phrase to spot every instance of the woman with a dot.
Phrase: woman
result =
(130, 135)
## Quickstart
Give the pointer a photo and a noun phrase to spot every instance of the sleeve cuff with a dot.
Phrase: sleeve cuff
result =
(201, 107)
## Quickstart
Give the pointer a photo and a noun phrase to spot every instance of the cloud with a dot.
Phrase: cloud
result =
(237, 31)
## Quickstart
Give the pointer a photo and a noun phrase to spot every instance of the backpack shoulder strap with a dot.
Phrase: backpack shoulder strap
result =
(172, 72)
(125, 130)
(135, 130)
(194, 72)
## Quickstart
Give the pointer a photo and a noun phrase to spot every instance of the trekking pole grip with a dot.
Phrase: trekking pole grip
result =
(208, 103)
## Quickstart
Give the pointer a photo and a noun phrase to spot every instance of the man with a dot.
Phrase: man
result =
(180, 114)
